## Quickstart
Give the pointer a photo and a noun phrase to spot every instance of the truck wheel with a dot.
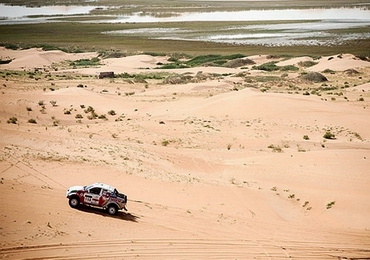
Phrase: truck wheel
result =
(112, 209)
(74, 202)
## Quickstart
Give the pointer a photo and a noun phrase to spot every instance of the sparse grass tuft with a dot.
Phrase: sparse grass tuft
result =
(329, 135)
(330, 205)
(165, 142)
(111, 112)
(276, 149)
(12, 120)
(306, 64)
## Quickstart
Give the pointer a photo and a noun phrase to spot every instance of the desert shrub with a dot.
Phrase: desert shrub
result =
(155, 54)
(275, 148)
(351, 72)
(212, 59)
(32, 121)
(11, 46)
(357, 135)
(111, 112)
(363, 57)
(85, 62)
(330, 205)
(29, 108)
(176, 65)
(89, 109)
(329, 71)
(239, 62)
(12, 120)
(314, 77)
(305, 137)
(329, 135)
(53, 103)
(269, 66)
(79, 116)
(165, 142)
(361, 99)
(289, 68)
(111, 54)
(103, 117)
(307, 63)
(5, 61)
(41, 103)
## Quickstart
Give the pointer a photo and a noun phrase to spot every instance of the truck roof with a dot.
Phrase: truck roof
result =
(103, 185)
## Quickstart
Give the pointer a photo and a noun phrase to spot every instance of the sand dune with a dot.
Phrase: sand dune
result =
(210, 172)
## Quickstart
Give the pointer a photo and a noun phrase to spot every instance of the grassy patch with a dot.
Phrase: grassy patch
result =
(202, 60)
(271, 66)
(85, 62)
(77, 37)
(329, 135)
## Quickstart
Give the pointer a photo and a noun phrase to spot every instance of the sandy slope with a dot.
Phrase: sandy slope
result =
(194, 162)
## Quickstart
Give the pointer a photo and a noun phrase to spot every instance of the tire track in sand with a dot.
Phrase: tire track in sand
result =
(183, 249)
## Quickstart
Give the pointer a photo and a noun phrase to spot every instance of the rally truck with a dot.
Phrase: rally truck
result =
(98, 195)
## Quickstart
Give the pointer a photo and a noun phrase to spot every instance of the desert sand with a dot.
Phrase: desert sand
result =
(210, 172)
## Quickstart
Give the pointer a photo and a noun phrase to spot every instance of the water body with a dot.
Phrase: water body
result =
(10, 13)
(255, 15)
(315, 30)
(13, 12)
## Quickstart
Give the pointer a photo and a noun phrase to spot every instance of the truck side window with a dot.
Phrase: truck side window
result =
(95, 190)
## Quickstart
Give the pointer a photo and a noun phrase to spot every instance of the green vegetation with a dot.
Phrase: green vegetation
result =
(202, 60)
(85, 62)
(330, 205)
(5, 61)
(271, 66)
(212, 60)
(111, 112)
(12, 120)
(329, 135)
(165, 142)
(275, 148)
(79, 37)
(307, 64)
(140, 77)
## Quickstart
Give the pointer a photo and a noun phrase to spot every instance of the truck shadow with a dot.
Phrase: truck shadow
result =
(120, 214)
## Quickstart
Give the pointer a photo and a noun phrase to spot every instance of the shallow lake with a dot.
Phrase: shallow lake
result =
(22, 13)
(287, 27)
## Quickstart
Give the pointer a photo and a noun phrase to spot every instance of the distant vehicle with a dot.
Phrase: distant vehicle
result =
(97, 195)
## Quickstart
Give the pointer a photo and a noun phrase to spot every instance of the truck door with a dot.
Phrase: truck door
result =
(92, 196)
(104, 198)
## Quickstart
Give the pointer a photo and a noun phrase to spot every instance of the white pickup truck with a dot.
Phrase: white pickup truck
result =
(97, 195)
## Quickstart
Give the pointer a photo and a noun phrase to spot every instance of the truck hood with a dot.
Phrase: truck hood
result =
(74, 189)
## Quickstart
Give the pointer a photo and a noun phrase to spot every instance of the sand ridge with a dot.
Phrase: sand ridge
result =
(215, 169)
